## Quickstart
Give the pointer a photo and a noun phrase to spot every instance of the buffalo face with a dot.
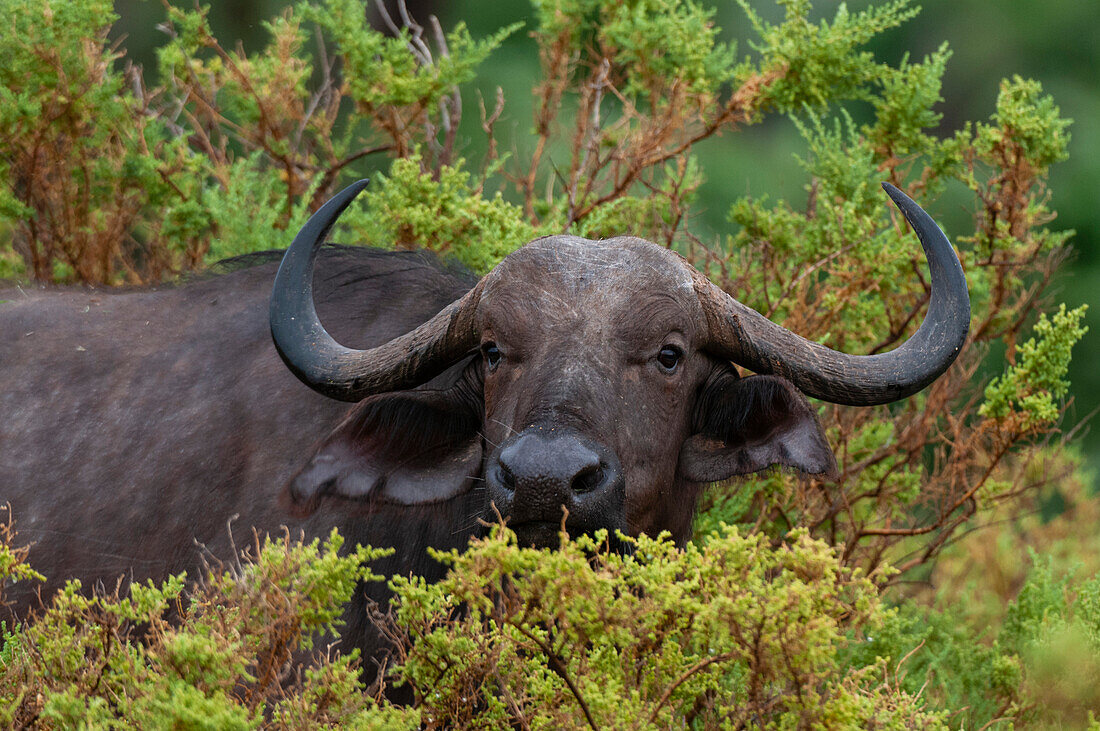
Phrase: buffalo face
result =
(594, 381)
(587, 383)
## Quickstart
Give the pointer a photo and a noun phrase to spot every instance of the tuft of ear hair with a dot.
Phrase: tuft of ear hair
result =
(745, 425)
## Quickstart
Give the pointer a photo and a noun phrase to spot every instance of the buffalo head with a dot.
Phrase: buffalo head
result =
(591, 375)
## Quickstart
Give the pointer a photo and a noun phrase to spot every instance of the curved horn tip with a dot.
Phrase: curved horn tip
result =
(896, 194)
(312, 234)
(358, 185)
(751, 340)
(348, 194)
(295, 328)
(907, 205)
(342, 373)
(337, 203)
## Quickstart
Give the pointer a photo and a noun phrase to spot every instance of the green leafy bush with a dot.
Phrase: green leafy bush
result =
(1038, 670)
(94, 659)
(727, 632)
(842, 272)
(730, 631)
(84, 162)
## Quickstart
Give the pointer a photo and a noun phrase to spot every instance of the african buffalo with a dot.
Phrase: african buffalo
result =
(590, 375)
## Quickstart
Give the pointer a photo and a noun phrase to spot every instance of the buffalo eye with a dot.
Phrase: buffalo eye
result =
(492, 355)
(669, 358)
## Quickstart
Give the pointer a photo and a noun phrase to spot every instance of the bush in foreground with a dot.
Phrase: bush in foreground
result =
(99, 660)
(731, 631)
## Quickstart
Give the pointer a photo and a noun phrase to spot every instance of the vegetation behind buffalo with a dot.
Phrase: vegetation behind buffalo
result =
(109, 181)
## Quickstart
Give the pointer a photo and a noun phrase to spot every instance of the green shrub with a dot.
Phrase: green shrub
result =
(727, 632)
(1038, 670)
(101, 660)
(731, 631)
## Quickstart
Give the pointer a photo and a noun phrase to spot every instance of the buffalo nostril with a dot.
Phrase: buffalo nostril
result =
(588, 479)
(507, 479)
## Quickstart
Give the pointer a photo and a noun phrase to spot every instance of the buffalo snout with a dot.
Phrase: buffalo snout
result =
(542, 470)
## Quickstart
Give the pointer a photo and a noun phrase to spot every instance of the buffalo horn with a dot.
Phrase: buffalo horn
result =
(344, 373)
(744, 336)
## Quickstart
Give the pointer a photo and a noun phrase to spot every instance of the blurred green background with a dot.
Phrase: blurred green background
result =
(1053, 41)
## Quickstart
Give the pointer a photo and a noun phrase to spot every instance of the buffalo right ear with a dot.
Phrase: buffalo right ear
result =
(406, 447)
(745, 425)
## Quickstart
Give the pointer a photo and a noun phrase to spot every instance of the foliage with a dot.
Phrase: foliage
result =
(13, 559)
(108, 660)
(105, 180)
(843, 272)
(950, 664)
(83, 161)
(1033, 560)
(729, 631)
(726, 630)
(1038, 670)
(1054, 624)
(1028, 389)
(436, 211)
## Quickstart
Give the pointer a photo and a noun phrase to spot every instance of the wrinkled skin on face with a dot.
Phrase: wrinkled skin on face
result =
(606, 349)
(592, 399)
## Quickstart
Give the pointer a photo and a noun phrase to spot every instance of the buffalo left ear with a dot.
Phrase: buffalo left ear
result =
(744, 425)
(405, 447)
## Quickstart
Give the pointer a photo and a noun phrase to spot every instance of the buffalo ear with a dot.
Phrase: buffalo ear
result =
(407, 448)
(744, 425)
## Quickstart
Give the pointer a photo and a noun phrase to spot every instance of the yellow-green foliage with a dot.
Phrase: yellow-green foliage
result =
(1053, 626)
(654, 40)
(113, 660)
(822, 61)
(102, 180)
(81, 163)
(411, 207)
(730, 631)
(382, 72)
(13, 559)
(727, 632)
(843, 270)
(1030, 389)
